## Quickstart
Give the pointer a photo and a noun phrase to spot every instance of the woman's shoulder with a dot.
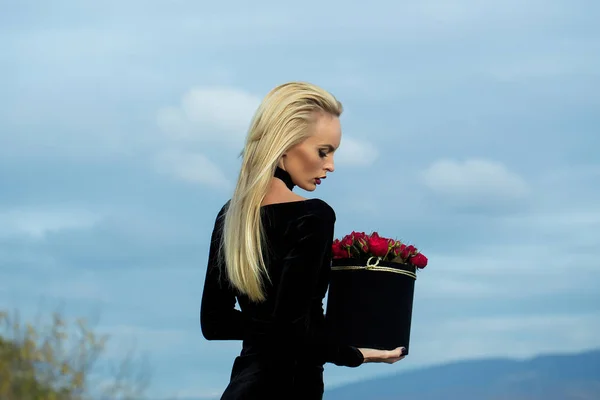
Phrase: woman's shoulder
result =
(302, 208)
(297, 207)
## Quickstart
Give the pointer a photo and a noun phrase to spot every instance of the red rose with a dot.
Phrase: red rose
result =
(409, 251)
(419, 260)
(338, 250)
(379, 247)
(347, 241)
(405, 251)
(359, 245)
(358, 235)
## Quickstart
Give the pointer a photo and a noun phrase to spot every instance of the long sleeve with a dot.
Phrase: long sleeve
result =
(324, 345)
(219, 320)
(310, 249)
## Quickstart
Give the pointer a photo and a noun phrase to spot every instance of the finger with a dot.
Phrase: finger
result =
(391, 353)
(397, 352)
(395, 360)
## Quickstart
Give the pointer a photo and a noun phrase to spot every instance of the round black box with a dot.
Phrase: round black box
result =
(369, 303)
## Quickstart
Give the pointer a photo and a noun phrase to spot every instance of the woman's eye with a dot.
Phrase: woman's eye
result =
(322, 154)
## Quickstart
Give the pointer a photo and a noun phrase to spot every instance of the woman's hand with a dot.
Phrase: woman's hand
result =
(382, 356)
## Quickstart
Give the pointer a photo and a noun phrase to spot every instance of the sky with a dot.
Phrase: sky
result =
(471, 129)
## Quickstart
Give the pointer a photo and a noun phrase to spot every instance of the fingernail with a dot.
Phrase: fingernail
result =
(403, 351)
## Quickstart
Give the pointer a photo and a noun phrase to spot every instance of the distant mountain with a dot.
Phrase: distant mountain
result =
(549, 377)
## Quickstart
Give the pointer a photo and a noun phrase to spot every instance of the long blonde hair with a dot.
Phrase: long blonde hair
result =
(283, 119)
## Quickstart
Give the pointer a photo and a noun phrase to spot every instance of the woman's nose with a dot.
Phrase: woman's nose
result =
(330, 166)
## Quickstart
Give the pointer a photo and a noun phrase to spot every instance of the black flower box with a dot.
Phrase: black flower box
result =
(370, 302)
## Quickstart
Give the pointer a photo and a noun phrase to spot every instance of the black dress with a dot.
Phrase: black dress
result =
(285, 343)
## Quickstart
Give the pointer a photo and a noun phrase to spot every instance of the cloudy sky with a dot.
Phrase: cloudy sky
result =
(471, 129)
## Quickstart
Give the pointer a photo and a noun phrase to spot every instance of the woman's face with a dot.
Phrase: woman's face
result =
(309, 161)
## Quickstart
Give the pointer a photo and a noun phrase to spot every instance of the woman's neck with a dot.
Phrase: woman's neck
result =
(285, 177)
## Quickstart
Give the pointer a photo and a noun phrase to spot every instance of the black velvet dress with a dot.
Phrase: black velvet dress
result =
(285, 343)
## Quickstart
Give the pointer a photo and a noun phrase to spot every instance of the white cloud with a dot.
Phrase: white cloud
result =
(518, 336)
(39, 221)
(500, 283)
(191, 167)
(518, 323)
(219, 115)
(159, 340)
(355, 152)
(474, 179)
(448, 286)
(83, 286)
(557, 222)
(454, 339)
(541, 256)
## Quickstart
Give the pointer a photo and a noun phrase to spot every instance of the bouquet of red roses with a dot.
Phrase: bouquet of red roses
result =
(361, 245)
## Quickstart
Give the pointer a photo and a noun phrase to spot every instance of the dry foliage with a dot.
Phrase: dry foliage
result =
(58, 362)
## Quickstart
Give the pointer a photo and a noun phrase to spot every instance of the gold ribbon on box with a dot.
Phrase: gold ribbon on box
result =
(375, 267)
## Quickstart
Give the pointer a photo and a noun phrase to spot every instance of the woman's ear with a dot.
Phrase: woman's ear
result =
(281, 162)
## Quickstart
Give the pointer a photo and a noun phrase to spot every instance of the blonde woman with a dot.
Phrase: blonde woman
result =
(271, 250)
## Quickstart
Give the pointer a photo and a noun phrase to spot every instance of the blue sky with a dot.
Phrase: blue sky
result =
(471, 129)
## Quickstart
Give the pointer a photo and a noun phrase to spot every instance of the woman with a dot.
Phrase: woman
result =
(271, 249)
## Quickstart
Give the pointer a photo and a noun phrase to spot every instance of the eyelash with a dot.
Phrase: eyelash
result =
(322, 154)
